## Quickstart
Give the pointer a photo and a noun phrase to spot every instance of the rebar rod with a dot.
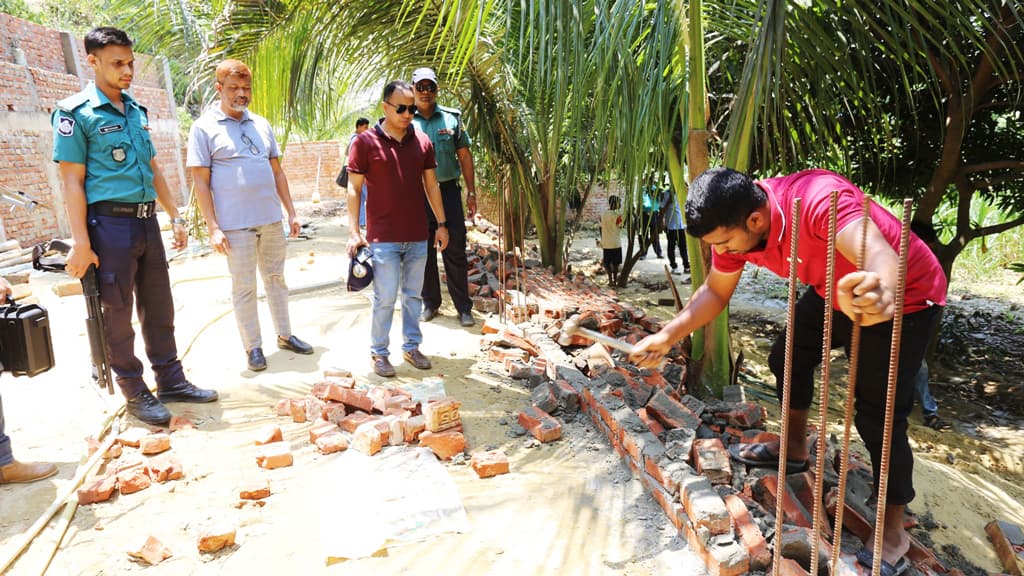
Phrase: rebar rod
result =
(890, 397)
(854, 359)
(786, 383)
(826, 357)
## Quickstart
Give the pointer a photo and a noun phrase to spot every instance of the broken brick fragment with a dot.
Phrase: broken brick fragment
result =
(444, 444)
(164, 468)
(152, 551)
(489, 463)
(274, 455)
(98, 489)
(267, 434)
(540, 424)
(155, 443)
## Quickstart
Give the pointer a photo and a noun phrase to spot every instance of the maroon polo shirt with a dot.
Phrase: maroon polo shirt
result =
(394, 183)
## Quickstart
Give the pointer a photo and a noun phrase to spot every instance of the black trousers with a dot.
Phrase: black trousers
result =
(872, 379)
(454, 255)
(133, 270)
(677, 238)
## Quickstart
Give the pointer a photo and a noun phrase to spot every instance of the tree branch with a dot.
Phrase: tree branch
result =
(994, 165)
(996, 228)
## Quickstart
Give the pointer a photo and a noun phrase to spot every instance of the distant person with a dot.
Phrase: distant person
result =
(397, 163)
(922, 391)
(611, 243)
(746, 221)
(11, 470)
(649, 220)
(241, 188)
(362, 125)
(675, 231)
(444, 127)
(112, 182)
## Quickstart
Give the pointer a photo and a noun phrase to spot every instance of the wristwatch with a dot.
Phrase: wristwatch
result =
(178, 220)
(442, 224)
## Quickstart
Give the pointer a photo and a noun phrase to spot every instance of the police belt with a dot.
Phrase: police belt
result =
(123, 209)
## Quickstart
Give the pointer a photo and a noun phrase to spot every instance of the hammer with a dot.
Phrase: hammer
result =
(572, 326)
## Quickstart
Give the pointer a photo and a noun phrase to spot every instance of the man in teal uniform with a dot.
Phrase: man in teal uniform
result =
(111, 182)
(451, 147)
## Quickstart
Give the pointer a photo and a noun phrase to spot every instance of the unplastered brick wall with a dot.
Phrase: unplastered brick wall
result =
(303, 161)
(34, 76)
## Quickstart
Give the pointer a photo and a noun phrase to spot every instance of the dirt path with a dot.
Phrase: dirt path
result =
(570, 507)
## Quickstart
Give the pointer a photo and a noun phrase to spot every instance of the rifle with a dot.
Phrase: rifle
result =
(94, 326)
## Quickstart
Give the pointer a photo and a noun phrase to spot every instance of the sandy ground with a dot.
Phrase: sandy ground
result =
(570, 507)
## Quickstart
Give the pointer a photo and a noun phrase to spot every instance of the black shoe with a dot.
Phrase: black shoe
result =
(294, 344)
(428, 314)
(184, 391)
(257, 362)
(466, 319)
(147, 408)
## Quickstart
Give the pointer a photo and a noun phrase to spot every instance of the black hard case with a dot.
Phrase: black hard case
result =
(27, 347)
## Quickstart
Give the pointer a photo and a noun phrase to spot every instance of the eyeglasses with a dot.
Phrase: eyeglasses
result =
(248, 142)
(426, 87)
(402, 108)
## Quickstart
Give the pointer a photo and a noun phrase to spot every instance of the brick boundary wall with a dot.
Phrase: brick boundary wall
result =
(39, 67)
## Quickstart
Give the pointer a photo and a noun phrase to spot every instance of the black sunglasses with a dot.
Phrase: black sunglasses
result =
(402, 108)
(426, 87)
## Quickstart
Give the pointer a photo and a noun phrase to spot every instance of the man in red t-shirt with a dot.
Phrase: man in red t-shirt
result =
(746, 221)
(397, 164)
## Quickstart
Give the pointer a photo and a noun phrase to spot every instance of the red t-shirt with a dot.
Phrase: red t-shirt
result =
(394, 183)
(926, 284)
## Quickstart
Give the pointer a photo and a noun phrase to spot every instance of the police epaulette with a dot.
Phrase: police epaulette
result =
(74, 101)
(455, 111)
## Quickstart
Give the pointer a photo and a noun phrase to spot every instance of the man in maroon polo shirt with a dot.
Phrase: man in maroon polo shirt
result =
(746, 221)
(397, 164)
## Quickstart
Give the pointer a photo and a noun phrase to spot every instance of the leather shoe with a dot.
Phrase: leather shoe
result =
(417, 359)
(466, 318)
(147, 408)
(257, 361)
(184, 391)
(428, 314)
(294, 344)
(22, 472)
(382, 366)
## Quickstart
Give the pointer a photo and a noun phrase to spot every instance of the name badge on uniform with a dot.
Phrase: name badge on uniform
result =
(444, 131)
(110, 128)
(118, 154)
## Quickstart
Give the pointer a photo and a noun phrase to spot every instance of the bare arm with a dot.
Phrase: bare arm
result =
(355, 235)
(281, 182)
(871, 292)
(166, 200)
(433, 191)
(72, 175)
(707, 302)
(204, 197)
(466, 166)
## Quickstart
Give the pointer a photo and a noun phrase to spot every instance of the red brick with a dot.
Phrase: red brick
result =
(133, 480)
(396, 429)
(257, 491)
(711, 459)
(267, 434)
(132, 436)
(355, 399)
(321, 428)
(283, 407)
(155, 443)
(414, 426)
(180, 423)
(490, 463)
(655, 427)
(743, 414)
(765, 492)
(331, 443)
(499, 354)
(539, 424)
(213, 539)
(274, 455)
(297, 409)
(670, 413)
(444, 444)
(442, 415)
(354, 420)
(379, 396)
(164, 468)
(97, 490)
(790, 567)
(368, 439)
(314, 408)
(152, 551)
(343, 381)
(319, 390)
(750, 535)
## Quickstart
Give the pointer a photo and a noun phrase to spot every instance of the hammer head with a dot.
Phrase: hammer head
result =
(569, 327)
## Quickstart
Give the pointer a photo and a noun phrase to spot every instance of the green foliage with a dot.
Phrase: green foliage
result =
(18, 9)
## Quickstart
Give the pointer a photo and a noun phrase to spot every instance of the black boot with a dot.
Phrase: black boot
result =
(147, 408)
(184, 391)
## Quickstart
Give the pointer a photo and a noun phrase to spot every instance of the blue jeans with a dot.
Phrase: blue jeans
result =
(397, 265)
(6, 457)
(921, 391)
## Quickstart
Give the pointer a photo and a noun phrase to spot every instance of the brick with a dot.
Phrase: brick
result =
(314, 408)
(763, 488)
(396, 430)
(653, 425)
(98, 489)
(790, 567)
(352, 398)
(132, 436)
(152, 551)
(179, 423)
(489, 463)
(319, 390)
(711, 459)
(379, 396)
(679, 443)
(444, 444)
(331, 443)
(568, 397)
(297, 410)
(93, 445)
(344, 381)
(749, 533)
(414, 426)
(703, 505)
(543, 397)
(257, 491)
(155, 443)
(500, 353)
(368, 439)
(321, 428)
(722, 556)
(670, 413)
(67, 288)
(330, 373)
(267, 434)
(215, 538)
(354, 420)
(164, 468)
(283, 407)
(442, 415)
(274, 455)
(133, 480)
(540, 425)
(1007, 539)
(742, 414)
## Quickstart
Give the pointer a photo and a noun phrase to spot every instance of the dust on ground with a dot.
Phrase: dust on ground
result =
(569, 507)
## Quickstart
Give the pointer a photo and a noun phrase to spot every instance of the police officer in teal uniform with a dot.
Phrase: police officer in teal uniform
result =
(451, 147)
(111, 186)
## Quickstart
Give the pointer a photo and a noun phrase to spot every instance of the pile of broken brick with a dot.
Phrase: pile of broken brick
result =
(675, 443)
